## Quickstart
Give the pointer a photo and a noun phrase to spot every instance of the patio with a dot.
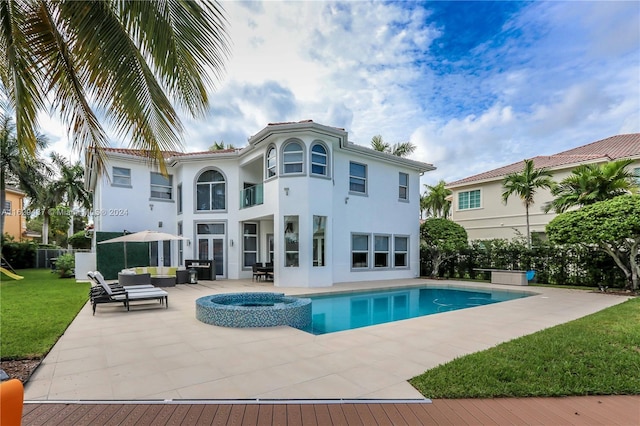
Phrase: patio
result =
(158, 354)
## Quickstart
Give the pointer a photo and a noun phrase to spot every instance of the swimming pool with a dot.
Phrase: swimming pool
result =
(346, 311)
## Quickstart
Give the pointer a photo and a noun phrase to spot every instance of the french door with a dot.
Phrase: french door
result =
(160, 253)
(210, 244)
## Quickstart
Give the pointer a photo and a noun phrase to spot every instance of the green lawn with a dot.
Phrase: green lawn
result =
(595, 355)
(35, 311)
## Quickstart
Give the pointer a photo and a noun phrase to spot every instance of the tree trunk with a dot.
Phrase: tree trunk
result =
(634, 254)
(526, 209)
(437, 261)
(3, 197)
(45, 228)
(614, 253)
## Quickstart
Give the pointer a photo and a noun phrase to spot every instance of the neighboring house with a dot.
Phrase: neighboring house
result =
(321, 209)
(15, 222)
(477, 200)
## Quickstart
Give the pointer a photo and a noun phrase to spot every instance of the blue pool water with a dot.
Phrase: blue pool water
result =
(338, 312)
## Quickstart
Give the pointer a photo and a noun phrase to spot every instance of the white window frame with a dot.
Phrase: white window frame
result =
(299, 153)
(363, 179)
(636, 173)
(469, 199)
(271, 166)
(210, 185)
(119, 173)
(405, 252)
(247, 235)
(179, 198)
(367, 252)
(401, 187)
(324, 155)
(387, 252)
(168, 188)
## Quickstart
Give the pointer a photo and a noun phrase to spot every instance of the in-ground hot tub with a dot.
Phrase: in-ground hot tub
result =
(254, 310)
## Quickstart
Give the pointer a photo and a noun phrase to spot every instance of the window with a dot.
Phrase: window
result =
(636, 173)
(403, 186)
(292, 158)
(469, 200)
(318, 160)
(211, 191)
(381, 251)
(250, 244)
(121, 176)
(319, 226)
(210, 228)
(271, 162)
(180, 245)
(359, 251)
(179, 198)
(401, 252)
(357, 177)
(291, 233)
(161, 186)
(6, 209)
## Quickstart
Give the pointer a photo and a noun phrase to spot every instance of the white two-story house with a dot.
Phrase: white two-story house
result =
(300, 195)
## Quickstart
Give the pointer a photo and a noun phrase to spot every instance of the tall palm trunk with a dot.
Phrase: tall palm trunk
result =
(526, 210)
(3, 197)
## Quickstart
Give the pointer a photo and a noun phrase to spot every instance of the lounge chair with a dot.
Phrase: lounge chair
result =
(99, 280)
(104, 293)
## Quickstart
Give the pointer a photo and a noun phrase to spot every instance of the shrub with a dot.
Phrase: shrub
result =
(79, 241)
(65, 265)
(20, 255)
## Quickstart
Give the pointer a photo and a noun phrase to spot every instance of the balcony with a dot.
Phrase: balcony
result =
(252, 196)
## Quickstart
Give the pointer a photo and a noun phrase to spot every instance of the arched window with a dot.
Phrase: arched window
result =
(292, 158)
(271, 162)
(211, 191)
(319, 160)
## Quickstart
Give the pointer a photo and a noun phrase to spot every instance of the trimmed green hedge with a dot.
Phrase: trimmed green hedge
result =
(567, 265)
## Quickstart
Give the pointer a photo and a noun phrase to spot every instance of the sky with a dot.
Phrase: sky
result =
(474, 85)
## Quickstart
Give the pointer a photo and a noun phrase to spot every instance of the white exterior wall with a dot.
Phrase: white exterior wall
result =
(379, 212)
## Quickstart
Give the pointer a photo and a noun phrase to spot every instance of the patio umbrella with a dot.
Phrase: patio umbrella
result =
(142, 237)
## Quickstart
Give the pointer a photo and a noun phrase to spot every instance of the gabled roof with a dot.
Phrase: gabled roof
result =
(611, 148)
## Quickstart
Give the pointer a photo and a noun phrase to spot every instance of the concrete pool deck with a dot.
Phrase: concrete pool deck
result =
(156, 353)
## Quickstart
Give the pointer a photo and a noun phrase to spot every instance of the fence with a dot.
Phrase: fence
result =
(44, 256)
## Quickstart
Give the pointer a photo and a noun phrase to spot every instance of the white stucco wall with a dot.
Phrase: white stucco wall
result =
(378, 212)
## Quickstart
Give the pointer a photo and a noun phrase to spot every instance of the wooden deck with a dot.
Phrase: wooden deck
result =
(590, 410)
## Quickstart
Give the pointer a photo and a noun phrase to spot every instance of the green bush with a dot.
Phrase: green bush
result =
(20, 255)
(576, 265)
(79, 241)
(65, 265)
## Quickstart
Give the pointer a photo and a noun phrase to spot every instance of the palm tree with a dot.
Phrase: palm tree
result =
(590, 183)
(70, 186)
(46, 201)
(220, 146)
(402, 149)
(436, 200)
(524, 184)
(27, 173)
(126, 58)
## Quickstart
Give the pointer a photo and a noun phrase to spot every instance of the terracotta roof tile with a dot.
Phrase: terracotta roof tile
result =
(612, 148)
(166, 154)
